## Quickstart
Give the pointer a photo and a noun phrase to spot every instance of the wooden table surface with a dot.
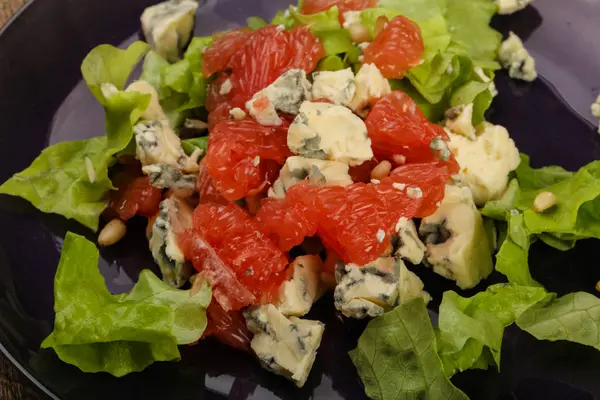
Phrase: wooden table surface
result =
(13, 384)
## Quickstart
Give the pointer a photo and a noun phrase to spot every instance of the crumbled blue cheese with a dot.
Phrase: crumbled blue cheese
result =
(166, 176)
(287, 347)
(410, 286)
(225, 87)
(366, 291)
(297, 294)
(338, 87)
(237, 114)
(286, 94)
(409, 246)
(156, 143)
(168, 26)
(332, 132)
(457, 244)
(459, 120)
(163, 242)
(371, 85)
(351, 18)
(154, 111)
(596, 111)
(511, 6)
(485, 162)
(322, 172)
(514, 57)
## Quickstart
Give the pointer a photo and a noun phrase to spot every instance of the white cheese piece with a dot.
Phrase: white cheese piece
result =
(484, 78)
(459, 120)
(410, 286)
(327, 131)
(156, 143)
(338, 87)
(168, 26)
(511, 6)
(366, 291)
(351, 18)
(225, 87)
(163, 242)
(296, 296)
(457, 244)
(514, 57)
(371, 85)
(286, 94)
(486, 162)
(154, 112)
(297, 169)
(596, 111)
(287, 347)
(237, 114)
(409, 246)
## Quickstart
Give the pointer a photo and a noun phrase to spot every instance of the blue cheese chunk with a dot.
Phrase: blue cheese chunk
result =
(297, 295)
(457, 244)
(168, 27)
(514, 57)
(410, 286)
(166, 176)
(157, 143)
(329, 132)
(506, 7)
(409, 246)
(163, 242)
(366, 291)
(287, 347)
(596, 111)
(371, 85)
(485, 162)
(338, 87)
(154, 111)
(286, 94)
(320, 172)
(459, 120)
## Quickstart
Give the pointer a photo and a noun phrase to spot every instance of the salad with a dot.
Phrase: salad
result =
(330, 154)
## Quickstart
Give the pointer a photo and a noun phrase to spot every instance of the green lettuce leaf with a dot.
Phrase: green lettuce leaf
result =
(469, 25)
(256, 22)
(574, 317)
(189, 145)
(100, 332)
(470, 330)
(71, 178)
(497, 209)
(331, 63)
(397, 358)
(538, 178)
(416, 9)
(512, 259)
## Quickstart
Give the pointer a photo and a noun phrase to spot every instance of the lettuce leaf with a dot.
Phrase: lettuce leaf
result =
(470, 330)
(396, 357)
(416, 9)
(538, 178)
(574, 317)
(189, 145)
(71, 178)
(100, 332)
(256, 22)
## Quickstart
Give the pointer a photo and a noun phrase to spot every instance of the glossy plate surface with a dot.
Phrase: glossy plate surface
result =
(43, 101)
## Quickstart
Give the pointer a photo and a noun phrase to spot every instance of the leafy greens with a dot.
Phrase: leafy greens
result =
(71, 178)
(119, 334)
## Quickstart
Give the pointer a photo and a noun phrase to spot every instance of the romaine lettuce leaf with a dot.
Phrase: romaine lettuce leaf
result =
(397, 358)
(256, 22)
(574, 317)
(416, 9)
(497, 209)
(538, 178)
(470, 330)
(100, 332)
(71, 178)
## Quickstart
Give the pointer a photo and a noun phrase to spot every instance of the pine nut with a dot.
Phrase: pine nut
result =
(598, 286)
(382, 170)
(399, 159)
(544, 201)
(359, 33)
(112, 232)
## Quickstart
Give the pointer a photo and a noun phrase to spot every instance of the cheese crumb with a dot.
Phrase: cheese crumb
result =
(380, 235)
(414, 192)
(399, 186)
(256, 161)
(225, 87)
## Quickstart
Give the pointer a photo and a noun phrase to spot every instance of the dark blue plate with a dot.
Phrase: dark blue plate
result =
(44, 101)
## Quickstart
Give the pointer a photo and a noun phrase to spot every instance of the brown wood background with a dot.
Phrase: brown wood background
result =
(13, 384)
